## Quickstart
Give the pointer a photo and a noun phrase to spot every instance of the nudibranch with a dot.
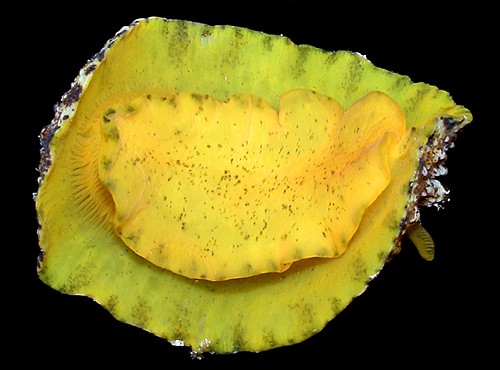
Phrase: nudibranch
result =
(229, 190)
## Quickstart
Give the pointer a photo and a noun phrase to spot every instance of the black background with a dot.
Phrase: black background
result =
(414, 312)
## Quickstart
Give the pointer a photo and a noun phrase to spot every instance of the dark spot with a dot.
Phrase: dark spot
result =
(109, 111)
(73, 94)
(269, 339)
(307, 317)
(123, 31)
(39, 260)
(106, 163)
(100, 55)
(182, 32)
(238, 337)
(81, 277)
(416, 100)
(132, 238)
(382, 256)
(46, 136)
(356, 68)
(112, 134)
(90, 69)
(172, 101)
(268, 43)
(395, 225)
(299, 68)
(199, 98)
(112, 303)
(206, 32)
(449, 123)
(359, 270)
(238, 33)
(140, 313)
(336, 305)
(331, 59)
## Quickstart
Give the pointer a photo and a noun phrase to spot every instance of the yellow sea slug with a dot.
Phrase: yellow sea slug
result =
(235, 189)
